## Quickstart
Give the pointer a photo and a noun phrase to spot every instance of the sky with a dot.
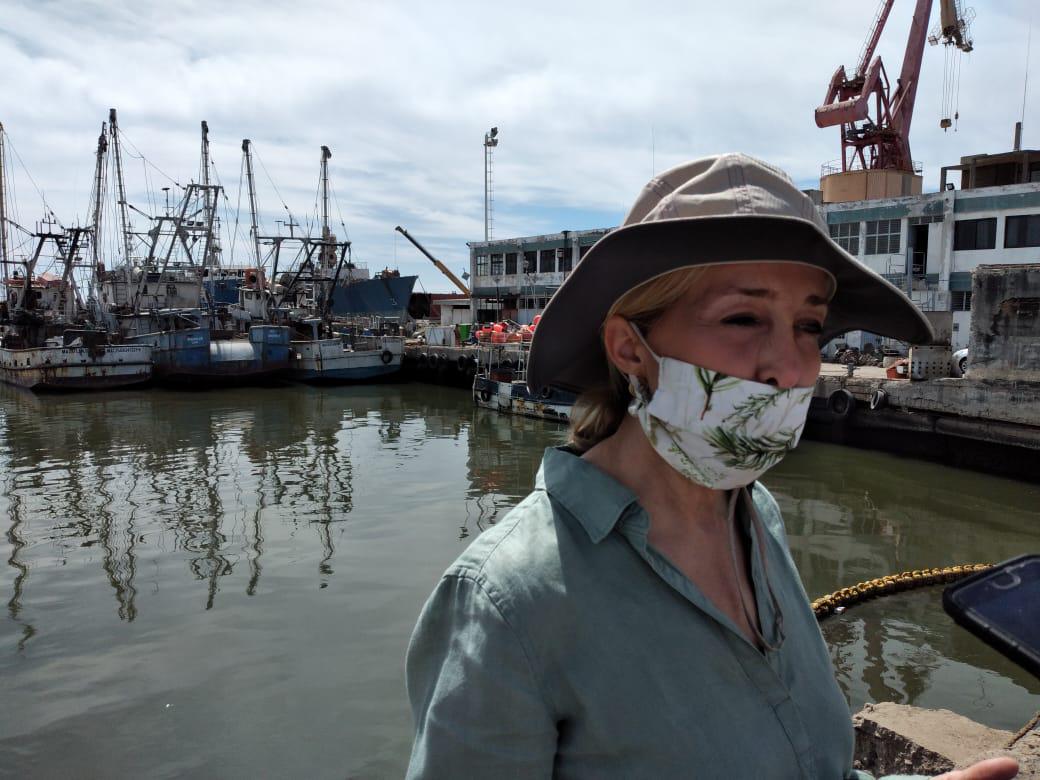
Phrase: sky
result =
(590, 98)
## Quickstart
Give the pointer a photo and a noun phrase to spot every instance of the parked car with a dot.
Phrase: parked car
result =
(959, 362)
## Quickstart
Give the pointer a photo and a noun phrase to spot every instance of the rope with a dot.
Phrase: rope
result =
(840, 600)
(1032, 724)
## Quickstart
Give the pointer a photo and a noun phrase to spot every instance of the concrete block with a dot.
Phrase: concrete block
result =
(900, 739)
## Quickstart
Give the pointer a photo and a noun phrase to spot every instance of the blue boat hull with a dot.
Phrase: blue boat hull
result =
(191, 356)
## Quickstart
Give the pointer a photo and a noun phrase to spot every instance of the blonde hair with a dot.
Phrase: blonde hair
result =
(599, 410)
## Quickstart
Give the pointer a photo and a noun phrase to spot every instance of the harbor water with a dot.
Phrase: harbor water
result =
(222, 584)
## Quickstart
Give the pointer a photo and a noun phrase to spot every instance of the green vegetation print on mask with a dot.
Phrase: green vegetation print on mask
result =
(717, 430)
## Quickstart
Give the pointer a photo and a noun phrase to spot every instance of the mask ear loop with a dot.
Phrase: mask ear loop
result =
(778, 615)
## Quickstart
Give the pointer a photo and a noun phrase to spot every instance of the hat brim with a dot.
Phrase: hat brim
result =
(567, 349)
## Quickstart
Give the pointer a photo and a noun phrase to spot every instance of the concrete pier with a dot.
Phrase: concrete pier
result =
(987, 424)
(900, 739)
(455, 366)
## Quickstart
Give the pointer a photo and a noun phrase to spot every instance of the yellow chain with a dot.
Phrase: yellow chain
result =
(892, 583)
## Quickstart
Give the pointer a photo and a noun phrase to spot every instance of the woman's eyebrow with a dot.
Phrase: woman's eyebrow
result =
(763, 292)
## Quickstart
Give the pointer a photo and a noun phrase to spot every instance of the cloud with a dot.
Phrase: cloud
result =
(590, 98)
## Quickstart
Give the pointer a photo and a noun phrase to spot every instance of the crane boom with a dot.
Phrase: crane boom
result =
(873, 118)
(440, 266)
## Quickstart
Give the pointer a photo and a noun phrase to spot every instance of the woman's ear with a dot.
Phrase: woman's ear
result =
(624, 349)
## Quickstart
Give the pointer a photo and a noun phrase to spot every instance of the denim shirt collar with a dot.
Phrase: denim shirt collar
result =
(597, 500)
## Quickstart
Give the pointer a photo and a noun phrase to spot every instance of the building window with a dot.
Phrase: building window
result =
(530, 262)
(975, 233)
(582, 251)
(496, 265)
(1022, 231)
(510, 263)
(847, 236)
(482, 265)
(563, 257)
(547, 261)
(960, 301)
(882, 237)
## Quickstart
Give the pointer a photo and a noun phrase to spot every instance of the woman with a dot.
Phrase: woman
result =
(639, 614)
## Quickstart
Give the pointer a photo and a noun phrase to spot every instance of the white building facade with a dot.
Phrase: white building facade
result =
(929, 244)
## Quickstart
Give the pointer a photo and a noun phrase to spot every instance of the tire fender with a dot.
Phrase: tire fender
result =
(841, 403)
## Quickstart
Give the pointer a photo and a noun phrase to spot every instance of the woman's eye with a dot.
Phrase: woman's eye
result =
(745, 320)
(815, 327)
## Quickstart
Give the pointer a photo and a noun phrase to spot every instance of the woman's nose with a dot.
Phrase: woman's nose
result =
(780, 362)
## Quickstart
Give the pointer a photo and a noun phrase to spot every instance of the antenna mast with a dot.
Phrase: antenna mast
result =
(124, 217)
(3, 209)
(252, 198)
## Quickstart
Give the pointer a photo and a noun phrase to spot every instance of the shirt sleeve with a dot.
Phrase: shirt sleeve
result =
(477, 704)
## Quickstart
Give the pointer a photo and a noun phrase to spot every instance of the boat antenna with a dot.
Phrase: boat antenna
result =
(124, 216)
(251, 186)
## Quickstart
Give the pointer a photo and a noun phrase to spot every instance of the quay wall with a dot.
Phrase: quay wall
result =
(986, 425)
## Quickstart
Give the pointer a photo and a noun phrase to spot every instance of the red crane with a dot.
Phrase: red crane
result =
(874, 120)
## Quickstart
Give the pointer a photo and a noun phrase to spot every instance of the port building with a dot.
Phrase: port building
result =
(926, 244)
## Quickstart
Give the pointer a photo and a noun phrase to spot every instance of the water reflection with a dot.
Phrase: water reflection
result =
(200, 473)
(504, 455)
(854, 516)
(14, 538)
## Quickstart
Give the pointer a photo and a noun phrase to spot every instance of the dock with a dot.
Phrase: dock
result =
(985, 424)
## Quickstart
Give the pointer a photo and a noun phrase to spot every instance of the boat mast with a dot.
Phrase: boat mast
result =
(209, 258)
(252, 198)
(99, 196)
(124, 217)
(3, 210)
(94, 295)
(327, 251)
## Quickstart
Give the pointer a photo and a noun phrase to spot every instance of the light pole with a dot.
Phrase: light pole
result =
(490, 141)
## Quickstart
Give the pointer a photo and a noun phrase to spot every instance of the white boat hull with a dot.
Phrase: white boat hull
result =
(76, 368)
(329, 360)
(515, 398)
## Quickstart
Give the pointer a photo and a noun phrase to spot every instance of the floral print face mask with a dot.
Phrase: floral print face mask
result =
(717, 430)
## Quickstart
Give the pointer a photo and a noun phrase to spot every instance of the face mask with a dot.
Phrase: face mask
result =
(717, 430)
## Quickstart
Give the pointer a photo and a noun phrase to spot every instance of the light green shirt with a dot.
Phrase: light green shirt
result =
(562, 644)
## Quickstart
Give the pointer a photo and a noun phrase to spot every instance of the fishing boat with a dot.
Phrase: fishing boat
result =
(48, 339)
(325, 350)
(344, 358)
(76, 360)
(501, 384)
(157, 295)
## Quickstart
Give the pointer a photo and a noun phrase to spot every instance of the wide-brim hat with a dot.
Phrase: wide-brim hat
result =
(730, 208)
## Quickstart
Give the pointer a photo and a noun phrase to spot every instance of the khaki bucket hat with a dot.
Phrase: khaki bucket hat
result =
(728, 208)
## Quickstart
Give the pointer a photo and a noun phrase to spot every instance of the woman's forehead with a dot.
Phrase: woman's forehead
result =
(767, 279)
